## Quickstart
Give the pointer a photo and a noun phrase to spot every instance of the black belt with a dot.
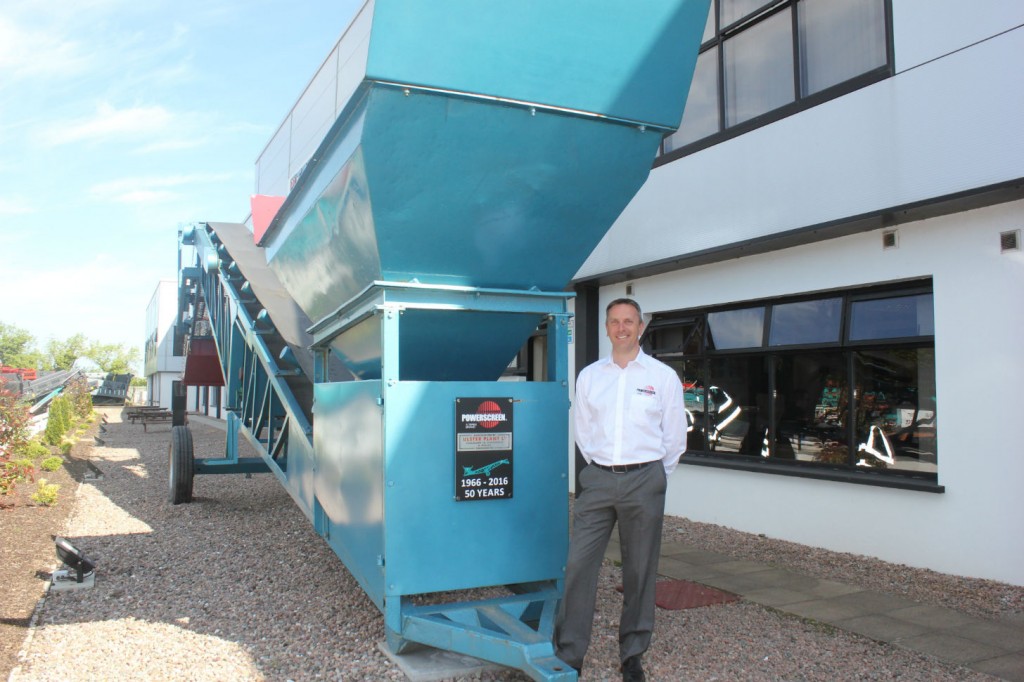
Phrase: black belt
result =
(622, 468)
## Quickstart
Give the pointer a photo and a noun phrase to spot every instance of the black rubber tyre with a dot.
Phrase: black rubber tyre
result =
(182, 465)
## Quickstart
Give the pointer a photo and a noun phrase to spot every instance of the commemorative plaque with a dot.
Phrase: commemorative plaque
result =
(483, 449)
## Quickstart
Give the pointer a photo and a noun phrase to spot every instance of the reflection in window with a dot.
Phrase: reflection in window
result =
(895, 409)
(759, 69)
(767, 63)
(691, 374)
(806, 322)
(734, 10)
(839, 39)
(742, 328)
(737, 406)
(892, 318)
(684, 337)
(811, 398)
(700, 117)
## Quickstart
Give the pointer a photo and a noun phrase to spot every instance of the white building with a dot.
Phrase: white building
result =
(831, 244)
(164, 363)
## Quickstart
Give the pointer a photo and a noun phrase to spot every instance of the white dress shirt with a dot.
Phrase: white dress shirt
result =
(631, 415)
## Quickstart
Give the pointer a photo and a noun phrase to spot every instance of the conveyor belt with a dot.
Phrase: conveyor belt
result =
(288, 319)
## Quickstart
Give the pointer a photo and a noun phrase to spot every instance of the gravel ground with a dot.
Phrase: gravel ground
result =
(237, 586)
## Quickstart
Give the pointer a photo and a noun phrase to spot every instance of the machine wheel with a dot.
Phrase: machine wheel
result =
(182, 465)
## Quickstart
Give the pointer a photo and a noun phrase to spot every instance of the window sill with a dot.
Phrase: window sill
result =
(838, 475)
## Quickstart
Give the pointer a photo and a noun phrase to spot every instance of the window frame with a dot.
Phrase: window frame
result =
(773, 356)
(800, 103)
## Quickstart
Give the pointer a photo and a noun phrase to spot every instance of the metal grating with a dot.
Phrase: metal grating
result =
(889, 239)
(1009, 241)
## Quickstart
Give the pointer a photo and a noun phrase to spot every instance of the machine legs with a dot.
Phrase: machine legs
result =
(182, 465)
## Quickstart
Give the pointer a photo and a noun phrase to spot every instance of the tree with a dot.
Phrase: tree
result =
(17, 348)
(112, 357)
(64, 353)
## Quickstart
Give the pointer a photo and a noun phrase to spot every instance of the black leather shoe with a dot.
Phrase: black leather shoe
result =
(632, 671)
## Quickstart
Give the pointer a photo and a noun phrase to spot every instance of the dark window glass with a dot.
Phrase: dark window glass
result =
(895, 416)
(736, 328)
(892, 318)
(691, 374)
(839, 39)
(806, 322)
(759, 69)
(736, 400)
(811, 401)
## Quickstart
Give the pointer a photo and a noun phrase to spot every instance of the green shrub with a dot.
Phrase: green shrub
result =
(35, 449)
(46, 493)
(58, 421)
(65, 447)
(51, 463)
(14, 472)
(79, 398)
(14, 418)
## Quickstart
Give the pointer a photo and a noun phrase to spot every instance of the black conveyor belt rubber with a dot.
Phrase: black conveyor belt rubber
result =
(288, 318)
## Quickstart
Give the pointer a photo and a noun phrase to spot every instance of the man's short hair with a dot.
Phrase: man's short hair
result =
(626, 301)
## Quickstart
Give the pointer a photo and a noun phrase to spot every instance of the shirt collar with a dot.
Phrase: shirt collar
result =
(641, 358)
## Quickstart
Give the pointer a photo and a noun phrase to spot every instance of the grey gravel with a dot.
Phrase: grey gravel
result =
(237, 586)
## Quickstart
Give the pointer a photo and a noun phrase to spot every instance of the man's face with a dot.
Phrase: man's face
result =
(624, 327)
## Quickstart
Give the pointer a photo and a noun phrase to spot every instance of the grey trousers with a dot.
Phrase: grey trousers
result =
(636, 500)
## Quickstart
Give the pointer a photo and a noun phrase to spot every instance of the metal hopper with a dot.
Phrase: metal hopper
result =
(484, 153)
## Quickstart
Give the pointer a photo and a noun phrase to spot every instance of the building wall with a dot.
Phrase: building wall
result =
(963, 531)
(943, 127)
(946, 125)
(306, 125)
(162, 366)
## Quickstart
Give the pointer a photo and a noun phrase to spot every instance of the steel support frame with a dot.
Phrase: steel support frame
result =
(515, 630)
(260, 406)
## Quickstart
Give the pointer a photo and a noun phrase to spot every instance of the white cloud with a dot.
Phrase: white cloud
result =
(109, 122)
(15, 206)
(77, 298)
(154, 189)
(31, 53)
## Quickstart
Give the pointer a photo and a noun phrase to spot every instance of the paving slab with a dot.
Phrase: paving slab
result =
(881, 627)
(950, 648)
(1009, 667)
(1010, 638)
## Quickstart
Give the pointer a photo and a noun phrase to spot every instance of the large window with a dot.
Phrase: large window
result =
(843, 382)
(761, 60)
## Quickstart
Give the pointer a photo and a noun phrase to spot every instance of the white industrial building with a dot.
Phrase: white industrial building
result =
(829, 253)
(831, 246)
(164, 361)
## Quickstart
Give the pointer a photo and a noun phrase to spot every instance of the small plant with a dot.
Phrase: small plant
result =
(14, 419)
(65, 447)
(46, 493)
(14, 472)
(35, 450)
(51, 463)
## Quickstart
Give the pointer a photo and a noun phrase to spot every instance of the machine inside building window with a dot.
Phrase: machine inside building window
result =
(763, 60)
(840, 382)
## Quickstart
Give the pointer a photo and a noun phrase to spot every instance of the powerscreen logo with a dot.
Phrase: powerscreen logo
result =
(488, 415)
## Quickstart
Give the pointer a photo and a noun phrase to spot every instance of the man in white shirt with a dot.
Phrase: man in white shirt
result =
(631, 428)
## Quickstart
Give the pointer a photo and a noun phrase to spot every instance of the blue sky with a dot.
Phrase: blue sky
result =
(120, 120)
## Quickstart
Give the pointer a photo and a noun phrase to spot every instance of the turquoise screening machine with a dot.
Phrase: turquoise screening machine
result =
(486, 151)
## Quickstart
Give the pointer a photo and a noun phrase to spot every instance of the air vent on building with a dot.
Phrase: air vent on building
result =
(1009, 241)
(889, 240)
(629, 290)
